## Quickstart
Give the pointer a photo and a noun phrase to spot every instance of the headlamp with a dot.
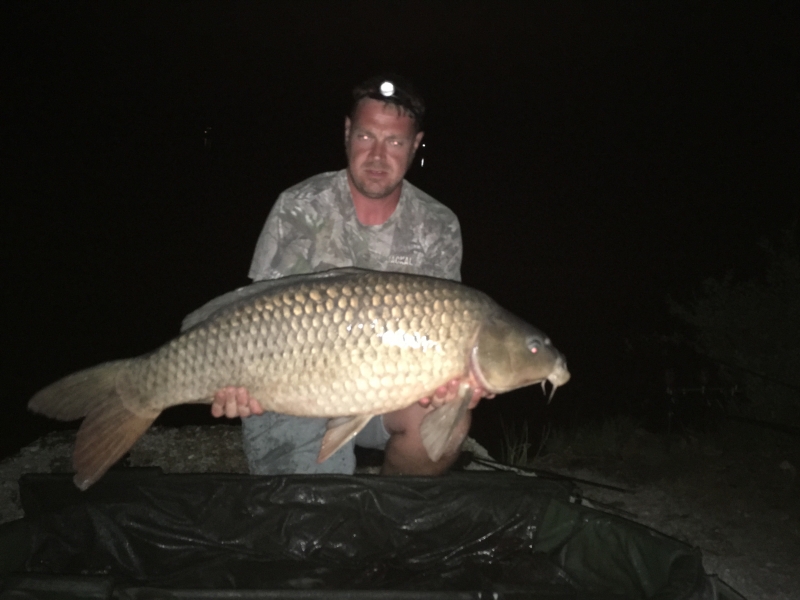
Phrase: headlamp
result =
(387, 89)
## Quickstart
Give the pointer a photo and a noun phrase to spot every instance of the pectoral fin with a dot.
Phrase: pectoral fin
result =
(340, 431)
(437, 427)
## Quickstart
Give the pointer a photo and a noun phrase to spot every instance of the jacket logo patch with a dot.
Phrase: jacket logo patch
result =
(400, 260)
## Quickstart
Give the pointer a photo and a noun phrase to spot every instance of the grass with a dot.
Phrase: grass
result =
(607, 438)
(623, 436)
(517, 444)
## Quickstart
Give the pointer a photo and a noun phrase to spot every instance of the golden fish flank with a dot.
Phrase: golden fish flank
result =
(344, 343)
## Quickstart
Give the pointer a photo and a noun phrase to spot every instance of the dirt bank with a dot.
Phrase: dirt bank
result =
(734, 494)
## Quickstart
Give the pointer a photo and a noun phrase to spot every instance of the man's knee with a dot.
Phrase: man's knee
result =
(405, 451)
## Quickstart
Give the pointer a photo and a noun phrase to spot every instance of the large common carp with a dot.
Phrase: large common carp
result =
(346, 344)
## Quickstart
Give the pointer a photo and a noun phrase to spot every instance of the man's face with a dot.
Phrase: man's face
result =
(380, 143)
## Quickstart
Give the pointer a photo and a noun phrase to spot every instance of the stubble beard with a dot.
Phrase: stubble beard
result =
(373, 190)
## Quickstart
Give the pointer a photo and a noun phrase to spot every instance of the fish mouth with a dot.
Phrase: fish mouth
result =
(558, 377)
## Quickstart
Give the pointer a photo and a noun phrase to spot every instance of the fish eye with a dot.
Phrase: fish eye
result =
(534, 345)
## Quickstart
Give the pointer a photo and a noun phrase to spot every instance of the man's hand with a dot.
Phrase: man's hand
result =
(235, 402)
(449, 391)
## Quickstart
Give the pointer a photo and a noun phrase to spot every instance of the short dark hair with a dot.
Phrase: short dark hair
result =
(399, 92)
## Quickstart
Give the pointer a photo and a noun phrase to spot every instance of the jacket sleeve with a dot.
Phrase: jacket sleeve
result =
(283, 245)
(444, 249)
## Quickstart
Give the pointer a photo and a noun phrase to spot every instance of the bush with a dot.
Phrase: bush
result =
(751, 329)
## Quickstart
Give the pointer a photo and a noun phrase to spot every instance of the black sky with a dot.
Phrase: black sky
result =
(600, 157)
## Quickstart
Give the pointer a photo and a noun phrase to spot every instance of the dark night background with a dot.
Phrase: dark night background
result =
(600, 156)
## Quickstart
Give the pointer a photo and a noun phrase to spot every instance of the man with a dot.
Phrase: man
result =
(365, 216)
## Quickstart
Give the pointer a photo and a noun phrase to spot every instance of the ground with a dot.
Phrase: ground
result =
(734, 494)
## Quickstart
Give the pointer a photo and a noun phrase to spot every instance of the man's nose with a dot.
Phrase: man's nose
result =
(378, 150)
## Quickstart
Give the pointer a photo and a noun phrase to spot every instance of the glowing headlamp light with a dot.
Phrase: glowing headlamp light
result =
(387, 89)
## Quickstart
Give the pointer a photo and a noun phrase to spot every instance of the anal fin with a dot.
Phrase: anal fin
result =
(340, 431)
(438, 426)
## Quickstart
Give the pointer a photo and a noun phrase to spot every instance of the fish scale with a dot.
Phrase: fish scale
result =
(290, 355)
(344, 343)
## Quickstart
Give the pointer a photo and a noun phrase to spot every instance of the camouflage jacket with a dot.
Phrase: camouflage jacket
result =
(313, 227)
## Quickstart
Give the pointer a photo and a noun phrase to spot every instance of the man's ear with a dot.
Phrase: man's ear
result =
(346, 129)
(418, 139)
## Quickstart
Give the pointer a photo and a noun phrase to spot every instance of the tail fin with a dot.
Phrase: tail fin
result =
(109, 430)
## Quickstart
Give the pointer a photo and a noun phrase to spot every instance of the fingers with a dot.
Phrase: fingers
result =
(234, 402)
(445, 393)
(255, 407)
(449, 392)
(218, 406)
(217, 409)
(234, 406)
(477, 394)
